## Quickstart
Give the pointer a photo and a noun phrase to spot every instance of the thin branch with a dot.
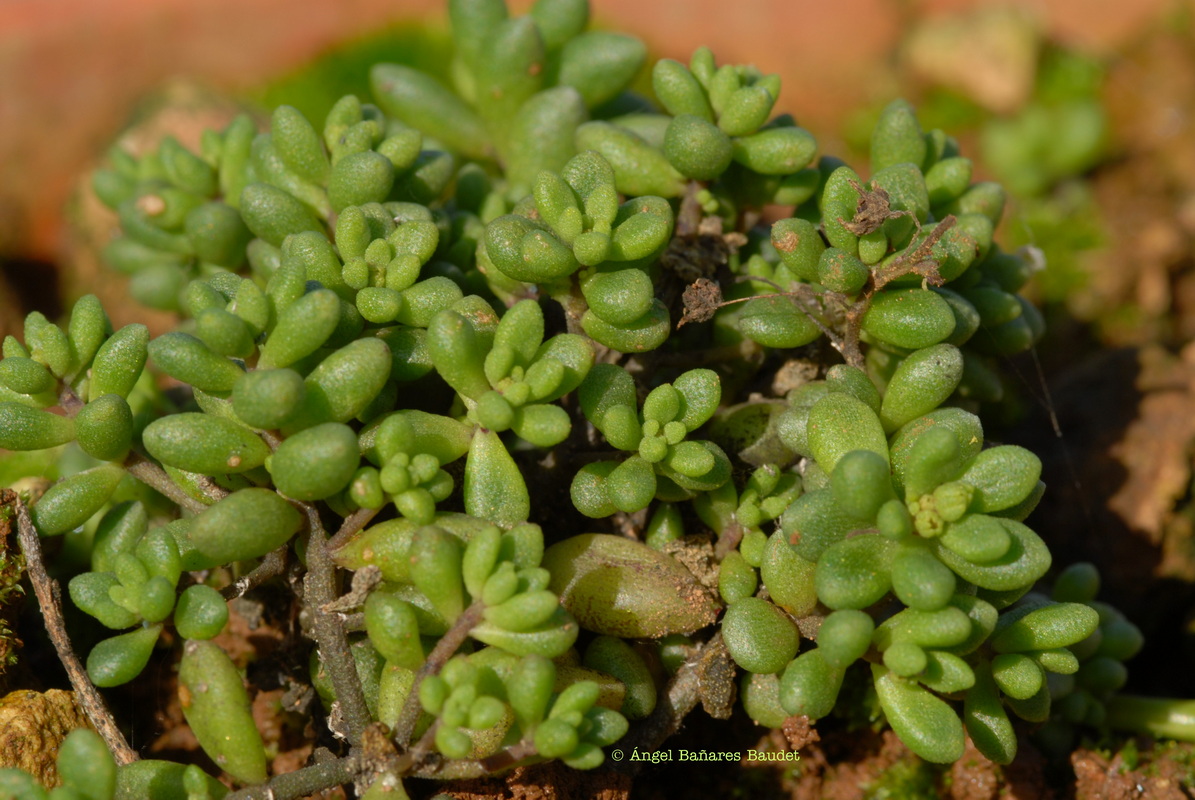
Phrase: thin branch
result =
(449, 643)
(49, 597)
(305, 781)
(462, 769)
(422, 748)
(156, 478)
(352, 524)
(688, 218)
(512, 755)
(918, 261)
(69, 401)
(911, 262)
(271, 566)
(328, 629)
(729, 539)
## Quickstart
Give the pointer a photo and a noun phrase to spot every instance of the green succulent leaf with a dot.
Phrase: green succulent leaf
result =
(925, 723)
(216, 706)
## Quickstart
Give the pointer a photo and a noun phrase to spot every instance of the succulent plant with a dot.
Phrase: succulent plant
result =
(490, 351)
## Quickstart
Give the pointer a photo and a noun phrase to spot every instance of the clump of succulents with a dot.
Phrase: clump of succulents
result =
(407, 338)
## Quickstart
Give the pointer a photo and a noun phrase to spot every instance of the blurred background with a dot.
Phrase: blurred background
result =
(1082, 108)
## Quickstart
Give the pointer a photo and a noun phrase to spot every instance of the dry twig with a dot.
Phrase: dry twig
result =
(49, 597)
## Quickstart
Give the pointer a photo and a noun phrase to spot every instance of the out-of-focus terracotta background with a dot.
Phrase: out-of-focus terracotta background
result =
(72, 70)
